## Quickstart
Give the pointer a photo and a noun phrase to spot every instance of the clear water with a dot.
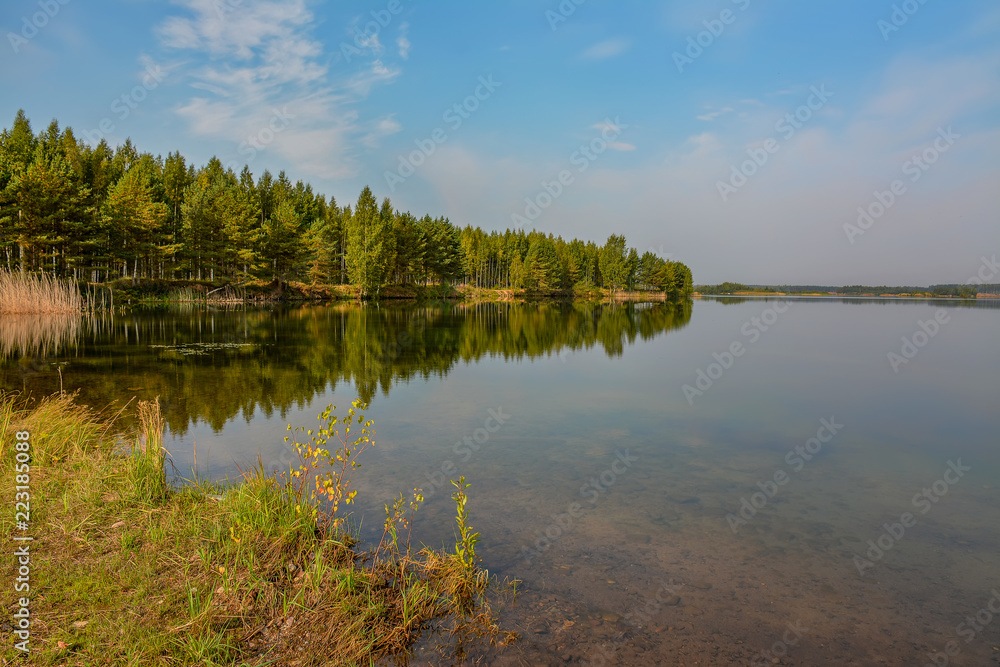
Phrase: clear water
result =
(615, 499)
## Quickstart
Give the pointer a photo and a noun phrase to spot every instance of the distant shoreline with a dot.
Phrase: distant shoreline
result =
(844, 295)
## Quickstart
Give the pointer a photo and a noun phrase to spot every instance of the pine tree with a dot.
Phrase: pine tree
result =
(541, 266)
(324, 239)
(135, 224)
(17, 151)
(613, 263)
(202, 226)
(371, 248)
(52, 215)
(284, 246)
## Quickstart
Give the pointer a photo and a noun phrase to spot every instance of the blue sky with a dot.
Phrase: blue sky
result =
(668, 122)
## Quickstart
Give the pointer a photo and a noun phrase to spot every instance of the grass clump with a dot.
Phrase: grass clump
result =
(126, 569)
(38, 293)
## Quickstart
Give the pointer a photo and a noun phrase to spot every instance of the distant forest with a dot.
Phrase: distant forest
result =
(967, 291)
(99, 214)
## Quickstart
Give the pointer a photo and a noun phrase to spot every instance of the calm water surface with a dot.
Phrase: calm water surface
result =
(802, 501)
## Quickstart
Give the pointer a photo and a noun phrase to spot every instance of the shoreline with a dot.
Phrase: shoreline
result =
(251, 572)
(163, 292)
(839, 295)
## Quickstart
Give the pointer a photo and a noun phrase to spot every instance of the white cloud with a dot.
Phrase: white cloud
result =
(382, 127)
(606, 125)
(263, 77)
(402, 42)
(389, 125)
(615, 130)
(712, 115)
(606, 49)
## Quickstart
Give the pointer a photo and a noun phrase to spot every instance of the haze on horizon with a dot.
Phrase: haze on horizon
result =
(737, 136)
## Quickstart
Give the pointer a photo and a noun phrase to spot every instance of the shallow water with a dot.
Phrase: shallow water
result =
(615, 499)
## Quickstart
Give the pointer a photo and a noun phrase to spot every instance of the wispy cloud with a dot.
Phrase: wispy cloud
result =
(606, 125)
(606, 49)
(613, 129)
(260, 61)
(712, 115)
(381, 127)
(403, 42)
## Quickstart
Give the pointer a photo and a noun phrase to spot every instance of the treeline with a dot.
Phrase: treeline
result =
(723, 288)
(99, 214)
(964, 291)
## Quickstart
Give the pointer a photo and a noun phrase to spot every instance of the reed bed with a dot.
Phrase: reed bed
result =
(38, 293)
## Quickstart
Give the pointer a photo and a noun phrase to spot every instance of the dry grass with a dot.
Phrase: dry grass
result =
(38, 293)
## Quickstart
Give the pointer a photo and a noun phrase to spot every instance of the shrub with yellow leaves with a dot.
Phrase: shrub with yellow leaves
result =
(328, 468)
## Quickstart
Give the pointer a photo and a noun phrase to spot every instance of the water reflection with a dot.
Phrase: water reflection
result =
(210, 365)
(657, 544)
(33, 335)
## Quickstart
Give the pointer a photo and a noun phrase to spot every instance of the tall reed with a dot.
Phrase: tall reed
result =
(38, 293)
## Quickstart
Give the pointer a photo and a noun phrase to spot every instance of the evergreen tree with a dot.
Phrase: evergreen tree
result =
(202, 226)
(52, 215)
(95, 212)
(17, 151)
(371, 249)
(283, 245)
(134, 223)
(541, 266)
(614, 263)
(324, 239)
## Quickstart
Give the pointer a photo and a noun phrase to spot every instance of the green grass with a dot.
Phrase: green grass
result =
(126, 570)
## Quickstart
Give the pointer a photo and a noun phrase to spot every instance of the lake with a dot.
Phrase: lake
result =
(814, 481)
